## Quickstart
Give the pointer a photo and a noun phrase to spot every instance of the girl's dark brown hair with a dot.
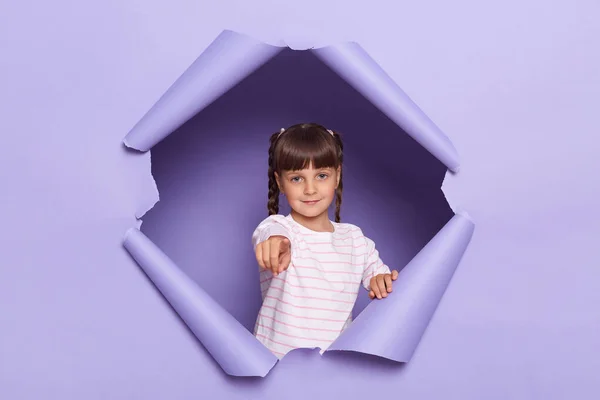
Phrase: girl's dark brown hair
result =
(296, 148)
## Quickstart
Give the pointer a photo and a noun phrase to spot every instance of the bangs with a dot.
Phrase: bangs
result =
(300, 147)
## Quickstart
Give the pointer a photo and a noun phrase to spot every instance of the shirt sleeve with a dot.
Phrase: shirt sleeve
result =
(373, 264)
(273, 225)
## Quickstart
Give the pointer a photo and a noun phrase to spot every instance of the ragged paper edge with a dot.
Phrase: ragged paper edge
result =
(150, 200)
(447, 189)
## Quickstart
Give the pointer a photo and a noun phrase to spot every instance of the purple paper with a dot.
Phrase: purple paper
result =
(229, 59)
(353, 63)
(514, 85)
(233, 56)
(235, 349)
(392, 328)
(357, 69)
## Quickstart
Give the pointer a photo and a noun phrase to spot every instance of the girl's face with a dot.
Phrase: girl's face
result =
(309, 191)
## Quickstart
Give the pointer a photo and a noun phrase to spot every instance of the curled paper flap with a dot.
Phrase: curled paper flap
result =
(392, 327)
(231, 57)
(226, 61)
(354, 65)
(234, 348)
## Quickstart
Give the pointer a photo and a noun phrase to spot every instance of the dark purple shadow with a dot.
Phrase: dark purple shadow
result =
(212, 178)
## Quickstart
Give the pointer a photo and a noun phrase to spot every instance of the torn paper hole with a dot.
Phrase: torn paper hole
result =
(210, 168)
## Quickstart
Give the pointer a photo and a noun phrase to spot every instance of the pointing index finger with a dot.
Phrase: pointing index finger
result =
(274, 256)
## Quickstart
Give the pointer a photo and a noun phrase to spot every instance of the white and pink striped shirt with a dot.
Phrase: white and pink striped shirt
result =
(311, 303)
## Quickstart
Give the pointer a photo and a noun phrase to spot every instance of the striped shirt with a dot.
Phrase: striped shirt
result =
(310, 304)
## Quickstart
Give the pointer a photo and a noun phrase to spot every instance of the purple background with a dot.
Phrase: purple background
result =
(515, 86)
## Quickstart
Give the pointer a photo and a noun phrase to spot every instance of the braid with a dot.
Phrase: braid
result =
(273, 199)
(339, 189)
(338, 200)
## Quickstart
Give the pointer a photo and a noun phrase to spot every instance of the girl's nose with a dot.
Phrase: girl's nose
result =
(309, 189)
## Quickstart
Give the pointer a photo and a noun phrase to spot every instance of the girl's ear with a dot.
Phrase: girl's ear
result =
(339, 171)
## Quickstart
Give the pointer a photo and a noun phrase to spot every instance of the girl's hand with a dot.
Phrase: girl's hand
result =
(274, 254)
(381, 284)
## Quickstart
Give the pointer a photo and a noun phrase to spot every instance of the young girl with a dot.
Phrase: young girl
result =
(311, 267)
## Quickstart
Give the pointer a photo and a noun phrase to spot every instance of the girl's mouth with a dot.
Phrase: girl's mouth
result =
(311, 202)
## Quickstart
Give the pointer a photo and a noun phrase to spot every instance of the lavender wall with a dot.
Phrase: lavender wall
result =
(516, 88)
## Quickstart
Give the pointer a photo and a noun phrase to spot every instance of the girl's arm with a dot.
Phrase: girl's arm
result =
(373, 264)
(273, 225)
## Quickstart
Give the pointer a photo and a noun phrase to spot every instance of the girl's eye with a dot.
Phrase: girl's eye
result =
(297, 178)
